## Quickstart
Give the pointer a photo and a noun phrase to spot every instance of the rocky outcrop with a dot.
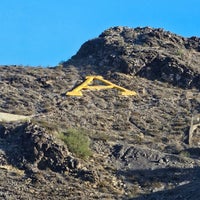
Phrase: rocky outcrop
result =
(151, 53)
(31, 146)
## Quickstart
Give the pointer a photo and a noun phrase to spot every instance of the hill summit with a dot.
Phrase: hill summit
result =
(146, 52)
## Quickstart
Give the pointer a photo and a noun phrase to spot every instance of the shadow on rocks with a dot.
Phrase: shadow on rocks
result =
(184, 182)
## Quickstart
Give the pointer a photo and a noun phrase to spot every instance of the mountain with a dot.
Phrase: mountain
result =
(104, 145)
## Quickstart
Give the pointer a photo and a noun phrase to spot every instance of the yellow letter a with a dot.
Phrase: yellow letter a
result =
(108, 85)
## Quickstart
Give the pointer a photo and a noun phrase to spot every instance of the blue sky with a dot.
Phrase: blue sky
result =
(46, 32)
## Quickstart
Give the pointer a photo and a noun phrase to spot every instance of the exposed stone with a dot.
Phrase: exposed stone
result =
(37, 147)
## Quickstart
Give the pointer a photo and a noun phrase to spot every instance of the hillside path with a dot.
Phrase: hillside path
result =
(7, 117)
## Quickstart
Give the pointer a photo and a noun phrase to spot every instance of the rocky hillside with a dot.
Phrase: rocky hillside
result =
(150, 53)
(103, 145)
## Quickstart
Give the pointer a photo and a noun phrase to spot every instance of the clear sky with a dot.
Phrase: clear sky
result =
(46, 32)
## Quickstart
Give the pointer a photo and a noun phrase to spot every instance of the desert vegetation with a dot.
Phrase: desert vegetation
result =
(77, 142)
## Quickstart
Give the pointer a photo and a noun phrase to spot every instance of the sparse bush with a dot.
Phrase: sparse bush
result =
(77, 142)
(184, 154)
(180, 53)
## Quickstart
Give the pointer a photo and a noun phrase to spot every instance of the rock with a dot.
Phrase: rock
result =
(2, 131)
(37, 147)
(72, 163)
(86, 175)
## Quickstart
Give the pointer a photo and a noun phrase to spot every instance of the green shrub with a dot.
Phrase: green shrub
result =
(184, 153)
(77, 142)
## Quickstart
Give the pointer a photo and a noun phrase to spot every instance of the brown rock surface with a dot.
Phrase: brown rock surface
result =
(139, 143)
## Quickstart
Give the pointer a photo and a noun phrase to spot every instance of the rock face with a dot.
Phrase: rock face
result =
(33, 147)
(151, 53)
